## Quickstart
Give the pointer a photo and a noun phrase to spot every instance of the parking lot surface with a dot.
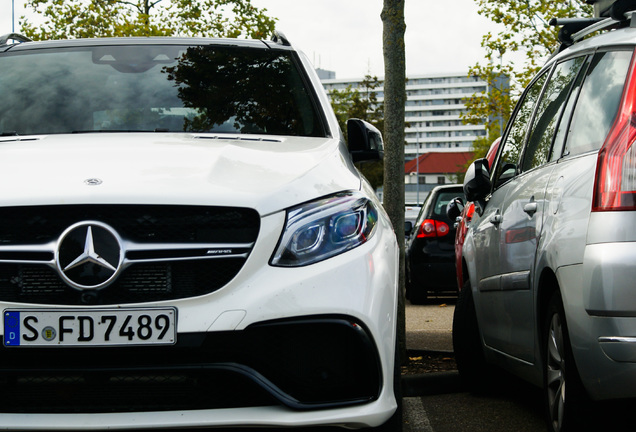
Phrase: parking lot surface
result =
(436, 402)
(429, 327)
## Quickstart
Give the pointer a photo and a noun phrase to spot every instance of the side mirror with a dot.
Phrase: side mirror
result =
(477, 184)
(408, 227)
(365, 141)
(454, 208)
(509, 171)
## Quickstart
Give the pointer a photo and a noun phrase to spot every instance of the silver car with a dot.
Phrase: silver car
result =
(548, 261)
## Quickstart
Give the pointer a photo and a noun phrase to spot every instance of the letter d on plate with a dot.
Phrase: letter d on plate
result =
(12, 328)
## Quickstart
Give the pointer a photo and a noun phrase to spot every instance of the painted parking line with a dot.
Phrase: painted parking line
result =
(415, 418)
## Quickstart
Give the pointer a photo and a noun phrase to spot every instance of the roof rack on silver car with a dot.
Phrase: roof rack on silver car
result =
(13, 36)
(572, 26)
(620, 14)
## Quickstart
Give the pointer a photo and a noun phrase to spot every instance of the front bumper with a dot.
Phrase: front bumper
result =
(303, 364)
(275, 346)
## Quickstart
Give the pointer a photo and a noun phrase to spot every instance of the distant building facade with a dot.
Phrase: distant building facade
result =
(431, 169)
(434, 106)
(324, 74)
(438, 143)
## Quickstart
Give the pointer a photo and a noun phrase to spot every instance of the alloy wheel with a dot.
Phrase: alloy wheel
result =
(555, 377)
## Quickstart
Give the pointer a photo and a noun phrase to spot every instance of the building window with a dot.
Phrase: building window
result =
(441, 180)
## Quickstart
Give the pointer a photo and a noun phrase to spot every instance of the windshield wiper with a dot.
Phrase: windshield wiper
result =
(9, 133)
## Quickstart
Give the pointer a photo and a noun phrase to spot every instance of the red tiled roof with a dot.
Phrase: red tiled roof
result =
(439, 162)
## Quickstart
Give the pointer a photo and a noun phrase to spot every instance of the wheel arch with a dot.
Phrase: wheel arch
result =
(546, 287)
(461, 279)
(468, 261)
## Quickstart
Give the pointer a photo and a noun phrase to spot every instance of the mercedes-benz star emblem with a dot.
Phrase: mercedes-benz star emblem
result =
(89, 255)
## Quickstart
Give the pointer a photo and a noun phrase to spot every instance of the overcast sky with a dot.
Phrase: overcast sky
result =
(346, 35)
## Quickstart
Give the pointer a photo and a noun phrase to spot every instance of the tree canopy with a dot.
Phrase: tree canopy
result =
(362, 103)
(525, 34)
(63, 19)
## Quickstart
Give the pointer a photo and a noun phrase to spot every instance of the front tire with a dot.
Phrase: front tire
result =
(469, 353)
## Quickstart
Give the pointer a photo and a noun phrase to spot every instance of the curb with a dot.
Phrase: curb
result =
(421, 352)
(433, 383)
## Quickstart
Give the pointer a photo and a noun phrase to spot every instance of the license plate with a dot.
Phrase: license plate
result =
(94, 327)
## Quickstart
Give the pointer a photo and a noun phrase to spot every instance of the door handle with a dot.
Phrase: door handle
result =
(531, 207)
(496, 218)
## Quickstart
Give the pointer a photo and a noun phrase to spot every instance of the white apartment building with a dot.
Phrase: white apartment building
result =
(433, 111)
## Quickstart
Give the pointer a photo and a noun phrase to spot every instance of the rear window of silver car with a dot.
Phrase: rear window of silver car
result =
(598, 101)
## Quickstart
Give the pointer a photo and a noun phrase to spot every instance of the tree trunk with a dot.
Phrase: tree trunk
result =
(394, 100)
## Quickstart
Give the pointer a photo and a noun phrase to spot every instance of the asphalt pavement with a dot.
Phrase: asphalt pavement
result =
(429, 327)
(436, 402)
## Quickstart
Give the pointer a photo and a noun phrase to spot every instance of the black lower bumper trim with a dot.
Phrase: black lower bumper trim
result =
(304, 363)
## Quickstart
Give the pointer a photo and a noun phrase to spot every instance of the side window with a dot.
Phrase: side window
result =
(598, 101)
(537, 150)
(442, 201)
(511, 151)
(559, 139)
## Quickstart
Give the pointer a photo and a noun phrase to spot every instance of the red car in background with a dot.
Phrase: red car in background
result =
(463, 213)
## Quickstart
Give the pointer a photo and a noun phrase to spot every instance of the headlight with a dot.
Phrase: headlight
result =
(324, 228)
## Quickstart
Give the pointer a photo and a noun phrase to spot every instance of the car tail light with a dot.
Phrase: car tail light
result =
(470, 211)
(615, 183)
(432, 228)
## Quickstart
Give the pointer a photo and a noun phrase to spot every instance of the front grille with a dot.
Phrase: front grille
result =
(137, 223)
(156, 271)
(40, 284)
(304, 363)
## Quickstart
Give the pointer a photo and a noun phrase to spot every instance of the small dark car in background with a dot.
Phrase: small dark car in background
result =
(430, 249)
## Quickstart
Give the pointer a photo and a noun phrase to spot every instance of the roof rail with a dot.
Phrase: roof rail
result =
(280, 38)
(13, 36)
(607, 24)
(571, 26)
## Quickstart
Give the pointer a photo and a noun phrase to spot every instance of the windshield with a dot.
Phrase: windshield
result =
(154, 88)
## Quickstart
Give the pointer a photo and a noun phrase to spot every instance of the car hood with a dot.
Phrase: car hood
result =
(262, 172)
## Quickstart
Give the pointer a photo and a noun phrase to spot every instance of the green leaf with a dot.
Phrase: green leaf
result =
(63, 19)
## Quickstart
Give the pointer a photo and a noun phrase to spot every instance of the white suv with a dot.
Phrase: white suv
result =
(549, 256)
(185, 241)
